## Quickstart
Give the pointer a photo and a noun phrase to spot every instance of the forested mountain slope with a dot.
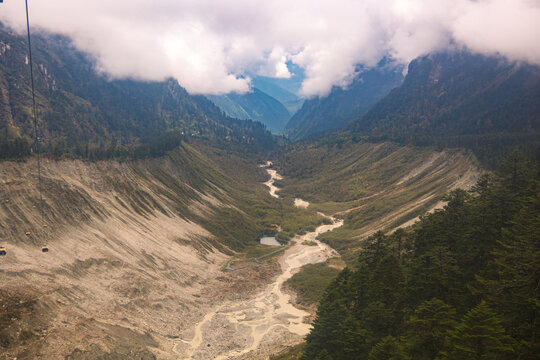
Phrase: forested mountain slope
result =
(82, 111)
(335, 111)
(458, 99)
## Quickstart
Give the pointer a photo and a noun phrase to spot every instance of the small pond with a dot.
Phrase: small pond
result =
(269, 240)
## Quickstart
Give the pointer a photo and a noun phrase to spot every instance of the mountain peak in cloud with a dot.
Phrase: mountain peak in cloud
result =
(209, 46)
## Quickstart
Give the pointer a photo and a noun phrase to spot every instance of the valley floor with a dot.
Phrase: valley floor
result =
(123, 282)
(128, 277)
(260, 325)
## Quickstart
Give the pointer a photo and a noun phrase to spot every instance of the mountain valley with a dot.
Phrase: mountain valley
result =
(138, 235)
(146, 241)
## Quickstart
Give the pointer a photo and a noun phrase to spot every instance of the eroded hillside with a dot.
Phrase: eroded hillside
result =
(136, 251)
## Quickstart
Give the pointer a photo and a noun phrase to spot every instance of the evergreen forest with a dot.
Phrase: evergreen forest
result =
(462, 284)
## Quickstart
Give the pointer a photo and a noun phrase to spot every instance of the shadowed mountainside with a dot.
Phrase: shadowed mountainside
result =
(333, 112)
(82, 111)
(458, 99)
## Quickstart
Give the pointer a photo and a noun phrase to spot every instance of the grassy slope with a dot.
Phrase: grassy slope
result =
(243, 178)
(292, 353)
(311, 282)
(374, 186)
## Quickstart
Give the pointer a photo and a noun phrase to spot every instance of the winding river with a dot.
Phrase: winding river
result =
(273, 177)
(269, 309)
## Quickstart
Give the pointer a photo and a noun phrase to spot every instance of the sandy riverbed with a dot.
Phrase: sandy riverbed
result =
(255, 327)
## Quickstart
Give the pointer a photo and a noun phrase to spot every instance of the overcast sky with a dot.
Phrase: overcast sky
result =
(209, 45)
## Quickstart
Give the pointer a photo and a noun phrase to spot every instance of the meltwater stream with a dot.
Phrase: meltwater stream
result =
(270, 308)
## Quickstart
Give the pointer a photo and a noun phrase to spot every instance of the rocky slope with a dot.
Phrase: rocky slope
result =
(135, 249)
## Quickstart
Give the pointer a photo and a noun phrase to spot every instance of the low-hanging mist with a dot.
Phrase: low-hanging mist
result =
(211, 46)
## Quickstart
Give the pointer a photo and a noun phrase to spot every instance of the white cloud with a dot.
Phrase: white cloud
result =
(510, 28)
(276, 64)
(210, 45)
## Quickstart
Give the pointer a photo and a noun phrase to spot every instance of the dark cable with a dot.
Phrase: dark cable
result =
(35, 114)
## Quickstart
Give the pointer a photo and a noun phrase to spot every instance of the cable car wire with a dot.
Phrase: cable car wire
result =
(34, 113)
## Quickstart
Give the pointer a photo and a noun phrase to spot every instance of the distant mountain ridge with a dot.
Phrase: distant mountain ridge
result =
(333, 112)
(271, 101)
(283, 90)
(255, 105)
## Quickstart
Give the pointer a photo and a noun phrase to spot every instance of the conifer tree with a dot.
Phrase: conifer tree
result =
(480, 336)
(513, 289)
(427, 328)
(389, 348)
(484, 245)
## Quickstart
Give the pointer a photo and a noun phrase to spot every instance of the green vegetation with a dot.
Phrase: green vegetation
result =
(292, 353)
(257, 211)
(246, 208)
(13, 145)
(256, 251)
(368, 185)
(336, 263)
(311, 282)
(463, 284)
